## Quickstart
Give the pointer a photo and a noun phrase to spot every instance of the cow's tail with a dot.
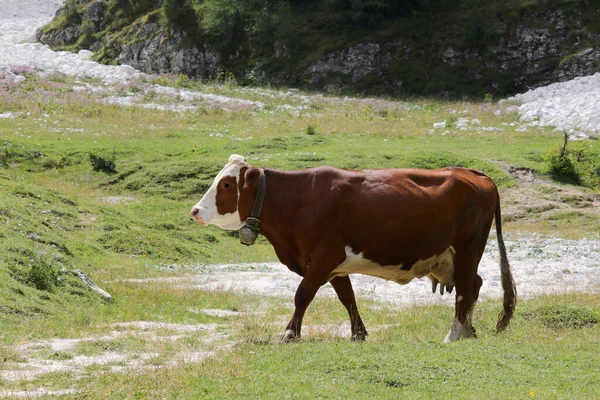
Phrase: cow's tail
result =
(508, 283)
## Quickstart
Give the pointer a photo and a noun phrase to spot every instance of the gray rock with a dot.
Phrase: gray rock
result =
(95, 12)
(585, 62)
(159, 52)
(542, 47)
(92, 285)
(357, 62)
(65, 37)
(456, 57)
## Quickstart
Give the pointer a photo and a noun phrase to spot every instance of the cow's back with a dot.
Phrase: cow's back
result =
(400, 216)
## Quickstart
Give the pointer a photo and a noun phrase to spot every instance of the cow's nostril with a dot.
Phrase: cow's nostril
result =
(195, 211)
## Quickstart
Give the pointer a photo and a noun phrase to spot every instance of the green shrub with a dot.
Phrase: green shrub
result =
(311, 129)
(70, 11)
(56, 163)
(587, 164)
(560, 165)
(87, 26)
(43, 271)
(175, 9)
(574, 162)
(102, 161)
(560, 316)
(182, 81)
(223, 77)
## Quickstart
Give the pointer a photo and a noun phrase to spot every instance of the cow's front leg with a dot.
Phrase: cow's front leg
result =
(343, 287)
(304, 295)
(322, 263)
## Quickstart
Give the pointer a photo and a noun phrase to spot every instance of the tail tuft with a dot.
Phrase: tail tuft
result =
(508, 283)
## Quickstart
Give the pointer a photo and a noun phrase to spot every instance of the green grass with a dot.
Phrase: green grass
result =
(61, 213)
(58, 213)
(539, 356)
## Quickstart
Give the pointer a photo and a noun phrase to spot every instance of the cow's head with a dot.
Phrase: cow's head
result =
(220, 205)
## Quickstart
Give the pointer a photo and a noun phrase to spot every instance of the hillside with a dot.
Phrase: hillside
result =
(412, 47)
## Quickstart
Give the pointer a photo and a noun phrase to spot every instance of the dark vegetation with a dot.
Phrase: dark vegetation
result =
(574, 163)
(103, 161)
(277, 41)
(562, 316)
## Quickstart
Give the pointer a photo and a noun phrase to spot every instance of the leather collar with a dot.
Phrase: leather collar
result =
(249, 232)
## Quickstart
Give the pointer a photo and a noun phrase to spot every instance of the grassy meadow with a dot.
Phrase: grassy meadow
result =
(106, 188)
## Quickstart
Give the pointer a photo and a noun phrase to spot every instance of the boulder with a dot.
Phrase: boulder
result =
(64, 37)
(95, 12)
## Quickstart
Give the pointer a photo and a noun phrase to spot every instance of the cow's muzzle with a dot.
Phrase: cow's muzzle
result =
(196, 216)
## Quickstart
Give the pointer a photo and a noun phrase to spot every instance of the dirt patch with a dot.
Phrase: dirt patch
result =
(544, 206)
(118, 199)
(30, 394)
(150, 326)
(540, 264)
(218, 313)
(60, 355)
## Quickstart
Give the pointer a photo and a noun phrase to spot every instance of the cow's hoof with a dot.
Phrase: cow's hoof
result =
(359, 337)
(288, 336)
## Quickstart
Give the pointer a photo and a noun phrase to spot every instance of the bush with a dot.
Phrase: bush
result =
(560, 165)
(587, 164)
(562, 317)
(574, 162)
(70, 11)
(43, 271)
(101, 161)
(175, 9)
(56, 163)
(182, 81)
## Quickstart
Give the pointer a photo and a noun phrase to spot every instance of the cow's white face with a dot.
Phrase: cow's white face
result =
(219, 206)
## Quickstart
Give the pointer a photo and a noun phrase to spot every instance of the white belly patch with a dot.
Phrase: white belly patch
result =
(440, 267)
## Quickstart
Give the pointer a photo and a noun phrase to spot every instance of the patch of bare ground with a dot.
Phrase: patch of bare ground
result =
(540, 205)
(108, 354)
(30, 394)
(118, 199)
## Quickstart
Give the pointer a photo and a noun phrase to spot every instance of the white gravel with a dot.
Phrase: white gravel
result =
(541, 265)
(19, 20)
(35, 362)
(572, 105)
(41, 392)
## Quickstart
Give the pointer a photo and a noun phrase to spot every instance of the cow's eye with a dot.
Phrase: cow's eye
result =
(226, 185)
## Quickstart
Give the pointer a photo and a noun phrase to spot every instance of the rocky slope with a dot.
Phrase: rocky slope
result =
(456, 52)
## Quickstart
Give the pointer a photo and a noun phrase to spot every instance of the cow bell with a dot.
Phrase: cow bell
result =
(249, 232)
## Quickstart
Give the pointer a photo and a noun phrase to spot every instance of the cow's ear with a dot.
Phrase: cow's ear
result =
(250, 176)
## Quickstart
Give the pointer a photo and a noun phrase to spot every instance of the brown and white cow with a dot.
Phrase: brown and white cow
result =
(397, 224)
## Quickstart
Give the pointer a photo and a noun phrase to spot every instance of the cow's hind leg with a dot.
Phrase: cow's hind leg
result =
(343, 287)
(468, 284)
